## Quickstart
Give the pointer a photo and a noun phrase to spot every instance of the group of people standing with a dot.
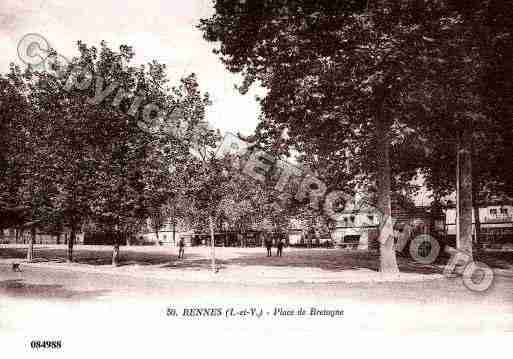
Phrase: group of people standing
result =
(269, 246)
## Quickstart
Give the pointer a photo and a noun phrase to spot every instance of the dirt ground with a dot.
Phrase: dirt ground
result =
(93, 302)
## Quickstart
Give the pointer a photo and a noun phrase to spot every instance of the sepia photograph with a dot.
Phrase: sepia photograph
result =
(256, 178)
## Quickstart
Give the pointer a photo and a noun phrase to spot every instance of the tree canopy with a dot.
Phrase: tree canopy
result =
(360, 82)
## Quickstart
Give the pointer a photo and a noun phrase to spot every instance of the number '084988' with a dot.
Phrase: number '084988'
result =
(46, 344)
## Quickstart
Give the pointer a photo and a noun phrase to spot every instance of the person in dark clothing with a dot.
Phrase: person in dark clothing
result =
(181, 245)
(279, 247)
(269, 246)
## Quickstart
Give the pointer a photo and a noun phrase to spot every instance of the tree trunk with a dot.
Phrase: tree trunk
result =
(458, 173)
(477, 224)
(477, 220)
(127, 237)
(157, 236)
(387, 255)
(174, 229)
(30, 251)
(22, 236)
(115, 254)
(475, 202)
(464, 195)
(212, 243)
(71, 242)
(221, 230)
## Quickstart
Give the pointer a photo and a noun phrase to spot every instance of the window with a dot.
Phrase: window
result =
(371, 218)
(504, 211)
(493, 211)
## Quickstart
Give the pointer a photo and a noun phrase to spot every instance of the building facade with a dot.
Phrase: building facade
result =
(359, 228)
(496, 219)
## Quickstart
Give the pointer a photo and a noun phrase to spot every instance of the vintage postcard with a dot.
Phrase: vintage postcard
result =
(248, 178)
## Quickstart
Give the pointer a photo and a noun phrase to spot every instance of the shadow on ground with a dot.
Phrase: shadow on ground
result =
(326, 259)
(332, 260)
(329, 259)
(196, 264)
(92, 257)
(497, 259)
(19, 288)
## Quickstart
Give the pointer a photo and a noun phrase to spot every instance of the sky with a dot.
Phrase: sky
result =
(157, 29)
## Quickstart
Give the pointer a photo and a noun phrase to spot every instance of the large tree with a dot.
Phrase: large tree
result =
(105, 144)
(25, 190)
(470, 109)
(338, 73)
